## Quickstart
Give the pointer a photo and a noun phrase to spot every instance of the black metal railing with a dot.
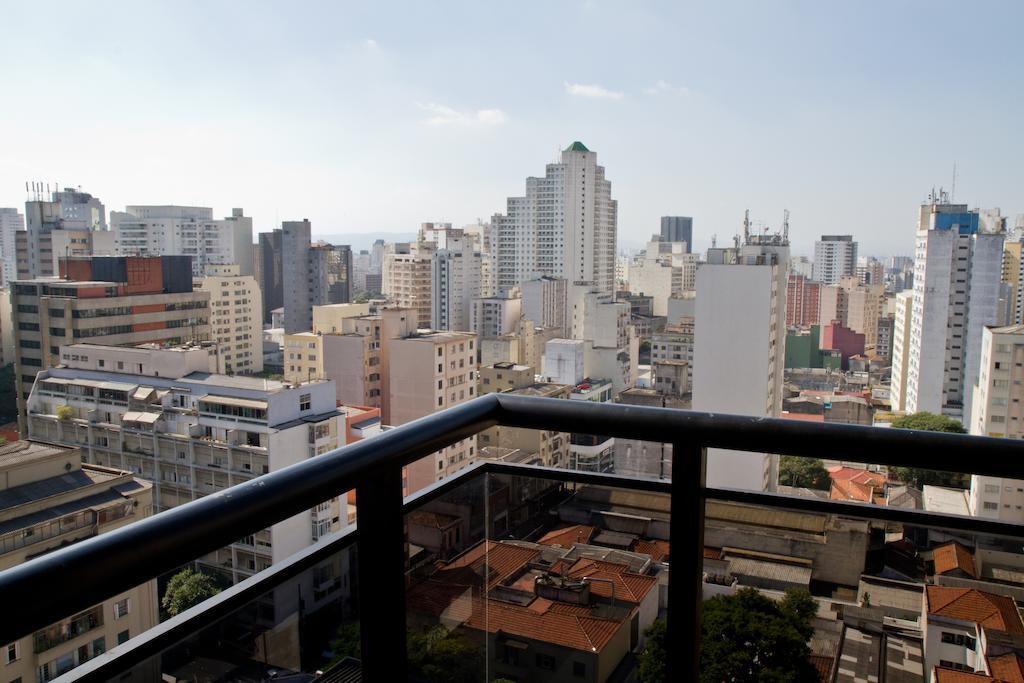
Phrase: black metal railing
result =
(47, 589)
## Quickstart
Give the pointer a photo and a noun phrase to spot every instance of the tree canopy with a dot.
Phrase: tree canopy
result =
(804, 472)
(917, 477)
(436, 655)
(929, 422)
(186, 589)
(745, 637)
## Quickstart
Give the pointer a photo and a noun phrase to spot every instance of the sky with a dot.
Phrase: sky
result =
(378, 116)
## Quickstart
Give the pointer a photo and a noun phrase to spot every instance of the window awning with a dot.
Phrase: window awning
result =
(234, 401)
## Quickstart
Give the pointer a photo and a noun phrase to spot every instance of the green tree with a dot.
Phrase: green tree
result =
(65, 412)
(652, 658)
(750, 637)
(186, 589)
(929, 422)
(347, 644)
(435, 655)
(805, 472)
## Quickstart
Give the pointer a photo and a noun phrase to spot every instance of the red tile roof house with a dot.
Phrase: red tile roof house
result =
(958, 623)
(568, 620)
(851, 483)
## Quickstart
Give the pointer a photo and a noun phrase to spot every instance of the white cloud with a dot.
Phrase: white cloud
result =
(371, 44)
(660, 87)
(596, 91)
(446, 116)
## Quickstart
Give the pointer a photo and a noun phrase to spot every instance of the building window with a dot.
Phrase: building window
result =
(121, 608)
(123, 637)
(991, 488)
(579, 669)
(545, 662)
(305, 401)
(13, 653)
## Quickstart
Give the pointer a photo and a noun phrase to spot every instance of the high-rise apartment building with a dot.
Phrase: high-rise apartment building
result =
(160, 413)
(190, 230)
(11, 223)
(1013, 278)
(603, 324)
(236, 306)
(117, 300)
(544, 302)
(496, 316)
(904, 307)
(835, 257)
(854, 304)
(565, 226)
(407, 279)
(455, 274)
(295, 271)
(997, 411)
(658, 273)
(957, 270)
(330, 274)
(71, 210)
(431, 371)
(677, 229)
(802, 301)
(271, 270)
(49, 499)
(739, 342)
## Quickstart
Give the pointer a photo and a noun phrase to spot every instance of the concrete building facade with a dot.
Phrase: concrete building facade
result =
(957, 275)
(11, 223)
(48, 499)
(565, 226)
(835, 257)
(296, 277)
(190, 230)
(236, 307)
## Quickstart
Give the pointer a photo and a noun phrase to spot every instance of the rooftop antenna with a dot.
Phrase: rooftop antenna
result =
(785, 224)
(952, 191)
(714, 240)
(746, 227)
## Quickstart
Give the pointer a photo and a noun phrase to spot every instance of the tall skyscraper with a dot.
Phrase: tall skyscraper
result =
(455, 274)
(271, 247)
(565, 226)
(406, 279)
(1013, 278)
(11, 222)
(295, 244)
(835, 257)
(902, 324)
(802, 301)
(739, 349)
(677, 229)
(235, 309)
(957, 269)
(191, 230)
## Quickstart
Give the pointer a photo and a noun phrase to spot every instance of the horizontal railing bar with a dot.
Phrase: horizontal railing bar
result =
(39, 593)
(576, 476)
(114, 562)
(884, 446)
(152, 642)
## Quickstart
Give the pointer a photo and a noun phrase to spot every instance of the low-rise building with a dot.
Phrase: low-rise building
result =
(49, 499)
(162, 415)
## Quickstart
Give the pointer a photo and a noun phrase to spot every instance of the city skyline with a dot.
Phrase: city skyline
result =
(293, 118)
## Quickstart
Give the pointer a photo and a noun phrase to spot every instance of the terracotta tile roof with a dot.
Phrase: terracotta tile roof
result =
(944, 675)
(996, 612)
(556, 626)
(628, 586)
(806, 417)
(1008, 667)
(855, 474)
(658, 550)
(712, 553)
(501, 560)
(850, 490)
(952, 556)
(568, 536)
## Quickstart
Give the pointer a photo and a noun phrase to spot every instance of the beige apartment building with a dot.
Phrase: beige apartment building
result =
(330, 318)
(515, 444)
(429, 372)
(49, 498)
(236, 310)
(303, 360)
(997, 410)
(855, 305)
(407, 281)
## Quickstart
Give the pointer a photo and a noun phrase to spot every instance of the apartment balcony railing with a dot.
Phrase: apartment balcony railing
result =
(242, 622)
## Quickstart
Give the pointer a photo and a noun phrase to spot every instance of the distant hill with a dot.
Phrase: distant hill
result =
(365, 240)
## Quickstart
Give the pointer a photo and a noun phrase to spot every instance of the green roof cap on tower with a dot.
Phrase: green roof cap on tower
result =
(577, 147)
